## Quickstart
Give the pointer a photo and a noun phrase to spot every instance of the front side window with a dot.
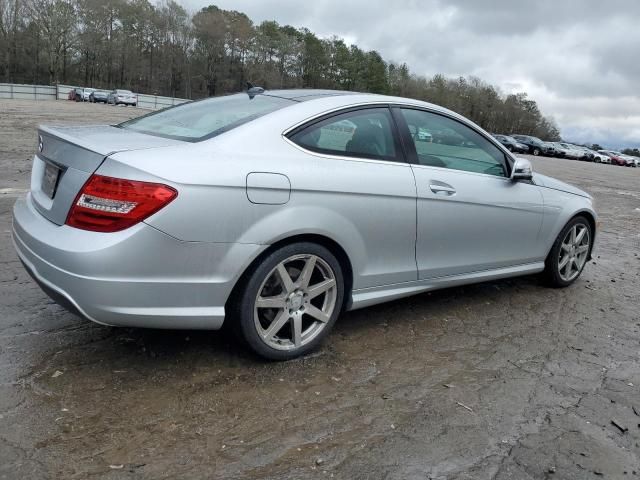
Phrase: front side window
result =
(453, 145)
(362, 134)
(194, 121)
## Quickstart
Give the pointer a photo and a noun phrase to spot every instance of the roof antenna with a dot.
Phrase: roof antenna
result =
(252, 90)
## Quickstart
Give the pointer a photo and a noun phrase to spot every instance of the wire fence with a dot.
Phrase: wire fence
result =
(61, 92)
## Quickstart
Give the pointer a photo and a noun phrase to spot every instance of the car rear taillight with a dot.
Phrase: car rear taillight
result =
(107, 204)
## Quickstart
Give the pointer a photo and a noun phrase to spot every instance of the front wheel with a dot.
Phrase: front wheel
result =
(536, 151)
(569, 253)
(290, 301)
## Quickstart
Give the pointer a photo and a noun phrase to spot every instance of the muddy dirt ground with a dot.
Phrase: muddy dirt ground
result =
(502, 380)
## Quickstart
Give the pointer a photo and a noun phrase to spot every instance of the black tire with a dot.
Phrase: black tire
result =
(552, 272)
(536, 152)
(510, 148)
(242, 303)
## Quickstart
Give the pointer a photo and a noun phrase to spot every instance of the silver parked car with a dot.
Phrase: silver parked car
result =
(278, 210)
(122, 97)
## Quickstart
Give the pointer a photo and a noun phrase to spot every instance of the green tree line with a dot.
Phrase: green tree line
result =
(159, 48)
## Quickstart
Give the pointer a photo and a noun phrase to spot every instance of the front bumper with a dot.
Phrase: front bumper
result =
(140, 277)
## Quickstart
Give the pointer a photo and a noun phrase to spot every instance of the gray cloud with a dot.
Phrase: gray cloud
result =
(579, 59)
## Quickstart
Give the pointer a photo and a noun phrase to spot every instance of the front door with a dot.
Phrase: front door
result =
(470, 216)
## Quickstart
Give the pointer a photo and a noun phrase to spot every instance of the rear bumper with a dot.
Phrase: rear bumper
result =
(139, 277)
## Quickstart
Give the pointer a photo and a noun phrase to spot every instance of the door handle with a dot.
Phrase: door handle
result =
(442, 189)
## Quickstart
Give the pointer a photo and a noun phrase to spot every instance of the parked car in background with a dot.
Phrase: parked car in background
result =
(631, 160)
(601, 157)
(550, 150)
(571, 151)
(536, 146)
(122, 97)
(616, 157)
(285, 209)
(596, 157)
(98, 96)
(589, 155)
(511, 143)
(424, 136)
(78, 94)
(561, 150)
(86, 92)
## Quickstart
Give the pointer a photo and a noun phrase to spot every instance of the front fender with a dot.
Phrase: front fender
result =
(559, 209)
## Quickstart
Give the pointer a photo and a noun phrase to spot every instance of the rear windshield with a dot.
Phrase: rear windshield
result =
(195, 121)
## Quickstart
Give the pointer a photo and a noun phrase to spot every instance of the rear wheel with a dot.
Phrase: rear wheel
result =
(290, 301)
(569, 253)
(536, 151)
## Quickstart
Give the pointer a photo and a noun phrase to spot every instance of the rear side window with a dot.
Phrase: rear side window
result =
(195, 121)
(366, 133)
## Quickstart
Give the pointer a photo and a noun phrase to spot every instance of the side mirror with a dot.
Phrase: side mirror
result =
(522, 170)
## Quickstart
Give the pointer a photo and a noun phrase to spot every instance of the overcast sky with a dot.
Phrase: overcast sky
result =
(579, 59)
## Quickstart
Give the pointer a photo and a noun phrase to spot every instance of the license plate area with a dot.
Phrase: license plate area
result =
(50, 179)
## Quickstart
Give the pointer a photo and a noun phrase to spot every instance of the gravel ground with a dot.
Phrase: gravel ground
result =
(502, 380)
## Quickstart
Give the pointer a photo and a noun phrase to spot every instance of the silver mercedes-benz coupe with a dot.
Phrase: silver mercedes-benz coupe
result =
(277, 210)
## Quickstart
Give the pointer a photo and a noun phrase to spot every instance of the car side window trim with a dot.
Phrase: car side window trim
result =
(412, 154)
(400, 150)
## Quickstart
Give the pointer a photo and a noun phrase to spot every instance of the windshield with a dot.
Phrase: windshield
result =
(195, 121)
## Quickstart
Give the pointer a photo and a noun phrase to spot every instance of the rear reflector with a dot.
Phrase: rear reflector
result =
(107, 204)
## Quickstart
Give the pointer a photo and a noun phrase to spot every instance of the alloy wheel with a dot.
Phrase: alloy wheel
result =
(573, 252)
(295, 302)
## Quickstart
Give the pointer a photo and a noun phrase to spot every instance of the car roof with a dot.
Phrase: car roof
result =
(307, 104)
(333, 99)
(306, 94)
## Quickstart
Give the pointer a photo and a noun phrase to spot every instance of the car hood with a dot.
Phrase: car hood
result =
(550, 182)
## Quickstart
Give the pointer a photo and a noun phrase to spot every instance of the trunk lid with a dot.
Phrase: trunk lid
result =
(67, 156)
